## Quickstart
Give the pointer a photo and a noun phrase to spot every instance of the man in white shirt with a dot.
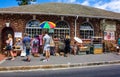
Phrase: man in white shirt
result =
(46, 43)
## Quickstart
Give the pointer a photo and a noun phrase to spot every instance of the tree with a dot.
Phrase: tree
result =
(25, 2)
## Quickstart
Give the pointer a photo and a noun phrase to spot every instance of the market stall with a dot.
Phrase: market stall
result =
(97, 44)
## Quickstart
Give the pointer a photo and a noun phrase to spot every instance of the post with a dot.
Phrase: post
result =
(75, 24)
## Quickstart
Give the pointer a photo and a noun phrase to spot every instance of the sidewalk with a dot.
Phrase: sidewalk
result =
(60, 62)
(2, 57)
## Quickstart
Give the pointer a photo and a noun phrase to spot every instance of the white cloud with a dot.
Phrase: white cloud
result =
(86, 2)
(33, 2)
(114, 5)
(67, 1)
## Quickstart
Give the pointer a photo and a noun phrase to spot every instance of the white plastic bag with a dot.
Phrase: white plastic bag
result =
(117, 47)
(23, 53)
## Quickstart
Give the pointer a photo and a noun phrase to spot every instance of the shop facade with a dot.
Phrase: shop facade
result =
(84, 27)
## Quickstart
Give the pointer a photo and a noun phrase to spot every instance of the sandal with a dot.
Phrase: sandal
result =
(29, 60)
(13, 59)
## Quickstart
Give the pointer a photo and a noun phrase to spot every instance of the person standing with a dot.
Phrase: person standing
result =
(119, 45)
(10, 45)
(75, 47)
(52, 46)
(67, 45)
(26, 45)
(46, 43)
(61, 47)
(35, 45)
(41, 43)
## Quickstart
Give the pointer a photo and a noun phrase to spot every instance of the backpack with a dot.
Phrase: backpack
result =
(27, 45)
(35, 43)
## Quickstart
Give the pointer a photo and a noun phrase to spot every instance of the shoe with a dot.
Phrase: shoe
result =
(45, 60)
(13, 59)
(118, 53)
(65, 56)
(28, 60)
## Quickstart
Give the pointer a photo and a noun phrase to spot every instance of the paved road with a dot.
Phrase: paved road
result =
(101, 71)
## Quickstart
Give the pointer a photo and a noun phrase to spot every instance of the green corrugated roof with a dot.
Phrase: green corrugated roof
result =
(62, 9)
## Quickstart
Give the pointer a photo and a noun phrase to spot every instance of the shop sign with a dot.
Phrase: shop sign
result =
(18, 34)
(110, 26)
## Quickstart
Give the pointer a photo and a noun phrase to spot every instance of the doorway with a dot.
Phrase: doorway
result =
(4, 36)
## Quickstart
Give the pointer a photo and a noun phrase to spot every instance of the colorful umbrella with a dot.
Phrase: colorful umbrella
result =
(47, 25)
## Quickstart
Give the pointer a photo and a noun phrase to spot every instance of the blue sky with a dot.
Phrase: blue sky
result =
(110, 5)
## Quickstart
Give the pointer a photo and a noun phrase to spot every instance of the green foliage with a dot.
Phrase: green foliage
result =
(25, 2)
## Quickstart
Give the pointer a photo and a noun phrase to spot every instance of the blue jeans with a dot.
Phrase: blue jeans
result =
(27, 52)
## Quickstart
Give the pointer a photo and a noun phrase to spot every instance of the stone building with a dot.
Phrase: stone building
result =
(70, 19)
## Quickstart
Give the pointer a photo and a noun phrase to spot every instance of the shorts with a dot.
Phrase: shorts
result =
(47, 48)
(27, 52)
(8, 47)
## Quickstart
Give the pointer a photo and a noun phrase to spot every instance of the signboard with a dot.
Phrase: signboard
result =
(18, 34)
(98, 48)
(97, 45)
(109, 35)
(110, 26)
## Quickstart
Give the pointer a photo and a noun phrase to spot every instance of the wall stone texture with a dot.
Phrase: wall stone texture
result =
(18, 23)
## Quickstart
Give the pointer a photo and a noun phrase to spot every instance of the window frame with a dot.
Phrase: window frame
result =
(33, 30)
(86, 32)
(62, 31)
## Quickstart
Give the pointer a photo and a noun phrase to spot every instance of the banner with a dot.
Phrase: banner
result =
(18, 34)
(109, 35)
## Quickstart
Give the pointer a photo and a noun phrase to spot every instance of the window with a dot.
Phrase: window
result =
(62, 29)
(32, 28)
(86, 31)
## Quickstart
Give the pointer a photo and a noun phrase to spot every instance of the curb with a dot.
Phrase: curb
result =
(52, 66)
